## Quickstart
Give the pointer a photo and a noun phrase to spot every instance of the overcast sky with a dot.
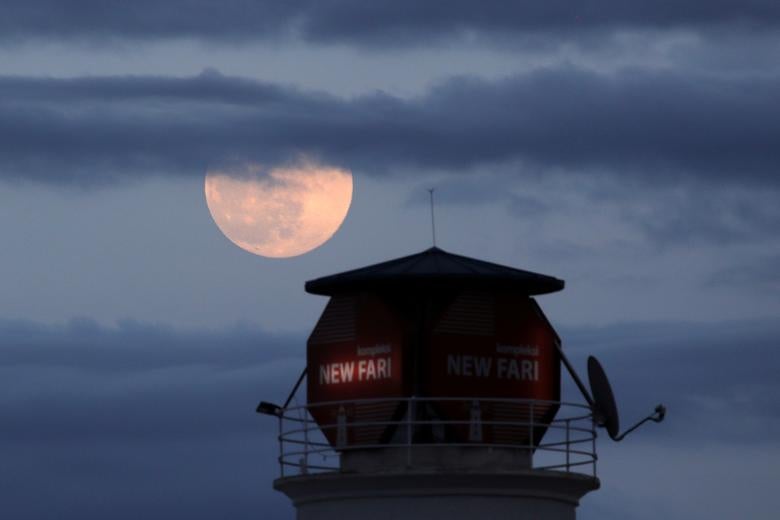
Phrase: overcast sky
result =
(630, 148)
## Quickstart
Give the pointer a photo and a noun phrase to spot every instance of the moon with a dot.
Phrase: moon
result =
(279, 212)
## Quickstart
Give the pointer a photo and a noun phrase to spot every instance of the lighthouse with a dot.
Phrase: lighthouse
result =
(433, 390)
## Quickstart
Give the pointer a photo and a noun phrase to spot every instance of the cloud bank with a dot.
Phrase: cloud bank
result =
(387, 24)
(631, 125)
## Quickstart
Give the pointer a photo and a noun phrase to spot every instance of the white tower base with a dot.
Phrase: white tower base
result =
(447, 492)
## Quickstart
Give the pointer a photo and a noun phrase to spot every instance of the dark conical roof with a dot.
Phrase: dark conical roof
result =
(435, 267)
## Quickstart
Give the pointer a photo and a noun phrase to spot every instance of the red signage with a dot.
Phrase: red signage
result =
(355, 352)
(495, 346)
(484, 346)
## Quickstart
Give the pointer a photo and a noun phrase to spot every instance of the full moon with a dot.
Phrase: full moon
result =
(279, 212)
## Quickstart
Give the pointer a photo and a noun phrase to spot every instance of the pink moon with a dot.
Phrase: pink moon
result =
(280, 212)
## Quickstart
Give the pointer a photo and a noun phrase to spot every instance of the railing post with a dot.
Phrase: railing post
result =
(475, 422)
(593, 442)
(281, 444)
(341, 428)
(568, 445)
(409, 414)
(531, 434)
(305, 465)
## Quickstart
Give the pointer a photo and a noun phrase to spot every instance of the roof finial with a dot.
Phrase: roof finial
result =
(433, 221)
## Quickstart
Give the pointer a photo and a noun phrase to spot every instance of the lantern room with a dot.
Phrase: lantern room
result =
(463, 338)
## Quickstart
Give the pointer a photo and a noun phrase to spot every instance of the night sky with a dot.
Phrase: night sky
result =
(630, 148)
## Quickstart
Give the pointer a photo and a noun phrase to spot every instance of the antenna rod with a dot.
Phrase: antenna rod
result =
(433, 221)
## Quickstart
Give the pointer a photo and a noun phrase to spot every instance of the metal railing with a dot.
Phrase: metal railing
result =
(565, 442)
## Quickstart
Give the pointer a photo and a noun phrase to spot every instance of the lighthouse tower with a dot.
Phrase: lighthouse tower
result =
(433, 390)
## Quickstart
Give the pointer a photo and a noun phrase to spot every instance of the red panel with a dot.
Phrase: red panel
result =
(494, 346)
(355, 352)
(483, 345)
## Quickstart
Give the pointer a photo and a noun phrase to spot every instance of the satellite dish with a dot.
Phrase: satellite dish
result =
(604, 405)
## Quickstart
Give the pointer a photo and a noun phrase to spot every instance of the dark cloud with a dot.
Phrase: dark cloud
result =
(140, 420)
(634, 124)
(134, 347)
(707, 214)
(82, 381)
(385, 23)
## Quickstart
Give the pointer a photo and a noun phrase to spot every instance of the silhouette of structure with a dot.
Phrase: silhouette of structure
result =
(433, 391)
